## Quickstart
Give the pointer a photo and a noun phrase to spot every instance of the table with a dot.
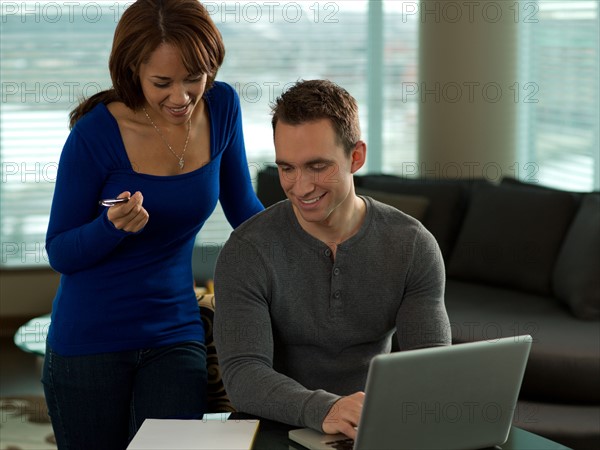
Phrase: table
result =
(273, 436)
(31, 336)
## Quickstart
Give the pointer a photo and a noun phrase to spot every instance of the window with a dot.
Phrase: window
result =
(559, 85)
(55, 52)
(52, 54)
(272, 45)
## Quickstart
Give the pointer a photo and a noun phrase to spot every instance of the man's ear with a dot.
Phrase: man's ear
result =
(359, 156)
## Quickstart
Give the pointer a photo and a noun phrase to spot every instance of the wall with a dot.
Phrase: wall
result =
(467, 76)
(29, 293)
(25, 294)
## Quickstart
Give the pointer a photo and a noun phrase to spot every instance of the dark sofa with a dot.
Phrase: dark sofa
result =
(520, 259)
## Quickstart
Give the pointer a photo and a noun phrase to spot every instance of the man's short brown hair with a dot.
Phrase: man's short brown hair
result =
(311, 100)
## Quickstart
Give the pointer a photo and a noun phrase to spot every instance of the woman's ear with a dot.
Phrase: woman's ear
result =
(358, 155)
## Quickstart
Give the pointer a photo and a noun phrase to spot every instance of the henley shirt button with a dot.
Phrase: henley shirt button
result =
(336, 271)
(328, 253)
(337, 294)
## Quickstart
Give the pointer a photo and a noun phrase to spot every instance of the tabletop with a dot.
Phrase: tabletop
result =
(31, 336)
(274, 436)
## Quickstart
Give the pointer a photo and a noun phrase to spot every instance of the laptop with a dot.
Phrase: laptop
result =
(461, 396)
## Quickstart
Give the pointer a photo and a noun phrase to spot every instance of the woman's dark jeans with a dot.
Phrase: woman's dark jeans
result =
(100, 401)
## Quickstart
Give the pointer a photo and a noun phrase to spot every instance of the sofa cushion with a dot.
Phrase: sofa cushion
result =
(564, 363)
(269, 192)
(447, 202)
(508, 181)
(511, 236)
(268, 187)
(413, 205)
(577, 272)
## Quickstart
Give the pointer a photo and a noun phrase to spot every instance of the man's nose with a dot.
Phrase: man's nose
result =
(304, 183)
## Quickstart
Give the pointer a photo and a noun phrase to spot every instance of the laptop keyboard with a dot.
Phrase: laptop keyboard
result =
(342, 444)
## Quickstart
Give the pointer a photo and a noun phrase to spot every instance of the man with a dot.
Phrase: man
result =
(308, 291)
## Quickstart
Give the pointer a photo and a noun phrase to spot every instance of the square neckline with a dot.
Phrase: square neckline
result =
(124, 155)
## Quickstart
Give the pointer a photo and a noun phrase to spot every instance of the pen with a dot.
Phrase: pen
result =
(108, 202)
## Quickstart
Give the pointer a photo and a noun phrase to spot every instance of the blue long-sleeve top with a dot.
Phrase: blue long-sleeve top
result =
(120, 290)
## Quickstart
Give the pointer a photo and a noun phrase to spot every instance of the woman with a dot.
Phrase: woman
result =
(126, 340)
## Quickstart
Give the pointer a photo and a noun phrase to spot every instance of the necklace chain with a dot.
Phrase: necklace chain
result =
(187, 138)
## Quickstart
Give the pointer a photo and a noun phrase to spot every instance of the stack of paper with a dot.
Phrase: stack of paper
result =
(161, 434)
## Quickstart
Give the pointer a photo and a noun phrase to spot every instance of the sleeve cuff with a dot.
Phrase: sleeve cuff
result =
(317, 407)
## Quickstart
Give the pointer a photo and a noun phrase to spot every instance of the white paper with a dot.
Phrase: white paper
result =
(210, 434)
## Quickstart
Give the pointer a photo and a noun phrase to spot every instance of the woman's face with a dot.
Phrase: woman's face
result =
(170, 91)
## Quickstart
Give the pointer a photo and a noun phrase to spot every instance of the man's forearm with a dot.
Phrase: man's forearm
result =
(257, 389)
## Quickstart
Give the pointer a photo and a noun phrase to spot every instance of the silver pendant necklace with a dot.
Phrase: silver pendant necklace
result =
(187, 138)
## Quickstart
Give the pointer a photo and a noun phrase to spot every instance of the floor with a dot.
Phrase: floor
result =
(24, 419)
(19, 371)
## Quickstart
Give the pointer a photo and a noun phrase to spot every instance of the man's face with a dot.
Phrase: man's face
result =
(315, 172)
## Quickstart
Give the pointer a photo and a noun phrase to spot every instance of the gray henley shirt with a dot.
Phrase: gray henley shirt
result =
(295, 329)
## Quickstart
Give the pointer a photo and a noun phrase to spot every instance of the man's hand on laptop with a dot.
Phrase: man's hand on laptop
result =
(344, 415)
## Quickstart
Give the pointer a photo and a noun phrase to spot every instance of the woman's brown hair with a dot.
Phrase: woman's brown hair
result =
(143, 27)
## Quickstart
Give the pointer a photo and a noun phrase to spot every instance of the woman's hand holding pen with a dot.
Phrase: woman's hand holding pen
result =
(129, 216)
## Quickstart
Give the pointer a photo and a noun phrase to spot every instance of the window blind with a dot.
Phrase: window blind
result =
(53, 53)
(270, 46)
(330, 40)
(559, 95)
(400, 74)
